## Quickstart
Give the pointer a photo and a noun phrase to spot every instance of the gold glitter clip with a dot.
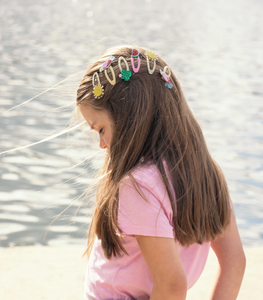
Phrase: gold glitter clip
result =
(98, 88)
(107, 65)
(150, 56)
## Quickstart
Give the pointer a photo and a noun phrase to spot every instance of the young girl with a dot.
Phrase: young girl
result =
(162, 200)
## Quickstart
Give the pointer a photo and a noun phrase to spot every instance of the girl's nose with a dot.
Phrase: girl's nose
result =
(102, 144)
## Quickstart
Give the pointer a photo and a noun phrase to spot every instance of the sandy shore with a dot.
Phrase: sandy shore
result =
(48, 273)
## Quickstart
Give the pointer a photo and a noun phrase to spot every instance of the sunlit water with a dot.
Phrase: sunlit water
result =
(215, 49)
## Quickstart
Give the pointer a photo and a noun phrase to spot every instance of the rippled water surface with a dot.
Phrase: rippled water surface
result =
(215, 49)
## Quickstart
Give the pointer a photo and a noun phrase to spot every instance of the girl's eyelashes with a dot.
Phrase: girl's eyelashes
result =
(100, 130)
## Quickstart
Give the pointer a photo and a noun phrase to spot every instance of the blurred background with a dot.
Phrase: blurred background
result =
(213, 47)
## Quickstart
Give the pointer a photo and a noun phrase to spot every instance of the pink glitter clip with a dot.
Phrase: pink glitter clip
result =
(135, 53)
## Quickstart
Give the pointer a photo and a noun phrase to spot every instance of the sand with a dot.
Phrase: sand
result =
(49, 273)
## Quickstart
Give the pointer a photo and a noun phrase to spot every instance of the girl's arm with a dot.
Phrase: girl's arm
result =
(162, 258)
(232, 262)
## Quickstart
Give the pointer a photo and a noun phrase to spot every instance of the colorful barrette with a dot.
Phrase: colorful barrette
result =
(125, 74)
(98, 89)
(166, 73)
(104, 68)
(151, 56)
(135, 54)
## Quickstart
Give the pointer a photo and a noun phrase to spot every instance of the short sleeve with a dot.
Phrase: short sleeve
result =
(136, 216)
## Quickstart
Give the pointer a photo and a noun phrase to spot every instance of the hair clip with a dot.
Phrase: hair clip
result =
(125, 74)
(151, 56)
(166, 73)
(135, 53)
(107, 65)
(98, 89)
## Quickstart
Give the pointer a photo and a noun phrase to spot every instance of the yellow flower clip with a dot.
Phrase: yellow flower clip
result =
(98, 88)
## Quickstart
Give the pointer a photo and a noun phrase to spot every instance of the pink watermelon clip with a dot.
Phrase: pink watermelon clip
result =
(135, 53)
(107, 63)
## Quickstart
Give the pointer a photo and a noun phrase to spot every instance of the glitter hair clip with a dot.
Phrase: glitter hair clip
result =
(107, 65)
(150, 56)
(166, 74)
(125, 74)
(98, 88)
(135, 54)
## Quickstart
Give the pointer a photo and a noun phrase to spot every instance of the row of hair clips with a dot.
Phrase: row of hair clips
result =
(125, 74)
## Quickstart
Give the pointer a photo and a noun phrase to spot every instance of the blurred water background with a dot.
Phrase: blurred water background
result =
(214, 48)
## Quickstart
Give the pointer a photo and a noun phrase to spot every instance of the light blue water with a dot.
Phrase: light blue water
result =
(214, 48)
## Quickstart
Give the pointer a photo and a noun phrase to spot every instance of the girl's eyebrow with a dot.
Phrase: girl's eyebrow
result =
(92, 125)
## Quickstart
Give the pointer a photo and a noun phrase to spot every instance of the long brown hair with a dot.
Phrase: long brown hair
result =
(153, 123)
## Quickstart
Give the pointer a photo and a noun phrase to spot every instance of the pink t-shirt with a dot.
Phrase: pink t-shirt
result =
(128, 277)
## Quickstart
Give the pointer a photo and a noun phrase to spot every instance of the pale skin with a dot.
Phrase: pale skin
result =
(161, 254)
(169, 281)
(99, 121)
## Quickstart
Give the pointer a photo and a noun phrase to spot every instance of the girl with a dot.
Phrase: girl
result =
(162, 200)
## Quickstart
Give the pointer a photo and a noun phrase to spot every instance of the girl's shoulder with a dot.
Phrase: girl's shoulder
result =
(146, 176)
(144, 205)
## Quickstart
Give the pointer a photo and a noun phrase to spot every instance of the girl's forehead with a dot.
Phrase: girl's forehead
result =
(93, 116)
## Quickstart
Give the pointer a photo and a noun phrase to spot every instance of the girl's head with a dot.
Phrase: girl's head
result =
(144, 113)
(143, 120)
